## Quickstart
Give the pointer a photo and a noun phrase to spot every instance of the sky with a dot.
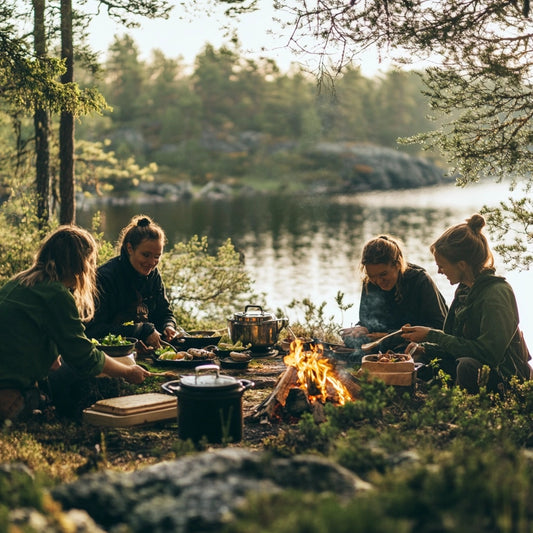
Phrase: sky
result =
(185, 34)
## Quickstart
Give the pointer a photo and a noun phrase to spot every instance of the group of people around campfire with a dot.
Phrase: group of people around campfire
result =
(51, 311)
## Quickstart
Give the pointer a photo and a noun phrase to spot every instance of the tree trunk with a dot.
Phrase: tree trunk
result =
(41, 126)
(67, 214)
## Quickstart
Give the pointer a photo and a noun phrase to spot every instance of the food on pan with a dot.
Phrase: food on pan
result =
(112, 340)
(391, 357)
(171, 355)
(239, 356)
(238, 346)
(189, 355)
(164, 350)
(200, 353)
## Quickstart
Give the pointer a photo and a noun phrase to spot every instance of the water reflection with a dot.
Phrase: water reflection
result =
(298, 247)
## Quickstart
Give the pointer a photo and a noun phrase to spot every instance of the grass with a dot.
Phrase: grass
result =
(438, 459)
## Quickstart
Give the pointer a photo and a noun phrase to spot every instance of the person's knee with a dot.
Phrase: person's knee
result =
(11, 404)
(467, 377)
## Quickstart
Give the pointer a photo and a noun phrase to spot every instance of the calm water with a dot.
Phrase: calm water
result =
(310, 246)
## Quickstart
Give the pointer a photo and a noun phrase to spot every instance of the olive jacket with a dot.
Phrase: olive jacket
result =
(483, 324)
(417, 301)
(129, 304)
(40, 323)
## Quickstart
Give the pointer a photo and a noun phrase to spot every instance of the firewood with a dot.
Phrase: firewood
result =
(351, 384)
(297, 403)
(276, 404)
(286, 381)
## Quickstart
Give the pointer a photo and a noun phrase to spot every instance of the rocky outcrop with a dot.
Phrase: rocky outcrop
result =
(344, 167)
(198, 492)
(363, 167)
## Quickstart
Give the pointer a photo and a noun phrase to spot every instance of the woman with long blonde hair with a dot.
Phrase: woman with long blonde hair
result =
(42, 310)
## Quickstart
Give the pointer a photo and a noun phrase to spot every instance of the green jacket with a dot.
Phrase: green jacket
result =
(39, 323)
(482, 323)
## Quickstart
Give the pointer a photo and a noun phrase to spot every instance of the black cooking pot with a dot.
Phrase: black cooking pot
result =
(209, 405)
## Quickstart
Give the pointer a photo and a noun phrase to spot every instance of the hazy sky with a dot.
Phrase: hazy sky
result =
(185, 34)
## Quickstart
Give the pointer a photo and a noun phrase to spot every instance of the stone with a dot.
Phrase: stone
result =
(201, 491)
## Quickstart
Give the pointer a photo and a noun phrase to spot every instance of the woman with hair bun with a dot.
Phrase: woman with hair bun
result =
(482, 325)
(394, 293)
(132, 301)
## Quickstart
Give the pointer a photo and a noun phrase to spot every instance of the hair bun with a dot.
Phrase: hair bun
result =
(143, 222)
(476, 222)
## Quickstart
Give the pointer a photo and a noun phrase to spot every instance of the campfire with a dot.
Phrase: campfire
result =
(310, 381)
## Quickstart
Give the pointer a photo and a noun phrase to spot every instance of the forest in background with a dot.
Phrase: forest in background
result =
(231, 119)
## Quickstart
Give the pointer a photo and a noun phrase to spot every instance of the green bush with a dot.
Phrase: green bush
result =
(206, 288)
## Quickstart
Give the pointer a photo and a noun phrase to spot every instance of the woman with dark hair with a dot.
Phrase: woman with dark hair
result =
(481, 328)
(394, 293)
(131, 296)
(41, 312)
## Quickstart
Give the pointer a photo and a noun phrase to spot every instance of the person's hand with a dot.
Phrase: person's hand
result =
(56, 364)
(414, 333)
(154, 339)
(417, 349)
(136, 374)
(356, 331)
(170, 333)
(180, 332)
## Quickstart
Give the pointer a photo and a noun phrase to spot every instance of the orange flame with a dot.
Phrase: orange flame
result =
(316, 373)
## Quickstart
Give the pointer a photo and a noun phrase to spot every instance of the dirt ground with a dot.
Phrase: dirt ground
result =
(132, 447)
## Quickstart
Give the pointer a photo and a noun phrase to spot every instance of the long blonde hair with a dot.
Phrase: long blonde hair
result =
(67, 255)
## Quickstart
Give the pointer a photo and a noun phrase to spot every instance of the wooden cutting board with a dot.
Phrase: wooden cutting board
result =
(135, 403)
(98, 418)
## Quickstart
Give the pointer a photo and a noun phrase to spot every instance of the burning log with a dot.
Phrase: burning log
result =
(309, 381)
(278, 396)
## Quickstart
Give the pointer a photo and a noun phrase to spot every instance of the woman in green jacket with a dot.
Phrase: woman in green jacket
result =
(41, 312)
(481, 327)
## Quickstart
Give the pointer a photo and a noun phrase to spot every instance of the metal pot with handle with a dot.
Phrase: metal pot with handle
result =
(256, 327)
(210, 405)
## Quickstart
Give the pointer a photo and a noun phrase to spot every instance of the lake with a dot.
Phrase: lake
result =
(309, 246)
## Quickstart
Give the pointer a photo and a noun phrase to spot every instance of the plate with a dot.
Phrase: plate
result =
(183, 363)
(197, 339)
(225, 353)
(267, 354)
(230, 364)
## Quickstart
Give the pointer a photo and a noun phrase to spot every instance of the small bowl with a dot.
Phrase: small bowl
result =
(197, 339)
(118, 350)
(343, 353)
(230, 364)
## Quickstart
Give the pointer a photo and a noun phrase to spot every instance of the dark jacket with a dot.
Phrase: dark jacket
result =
(418, 301)
(39, 324)
(129, 303)
(483, 324)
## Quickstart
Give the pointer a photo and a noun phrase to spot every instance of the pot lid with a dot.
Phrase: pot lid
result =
(255, 316)
(209, 381)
